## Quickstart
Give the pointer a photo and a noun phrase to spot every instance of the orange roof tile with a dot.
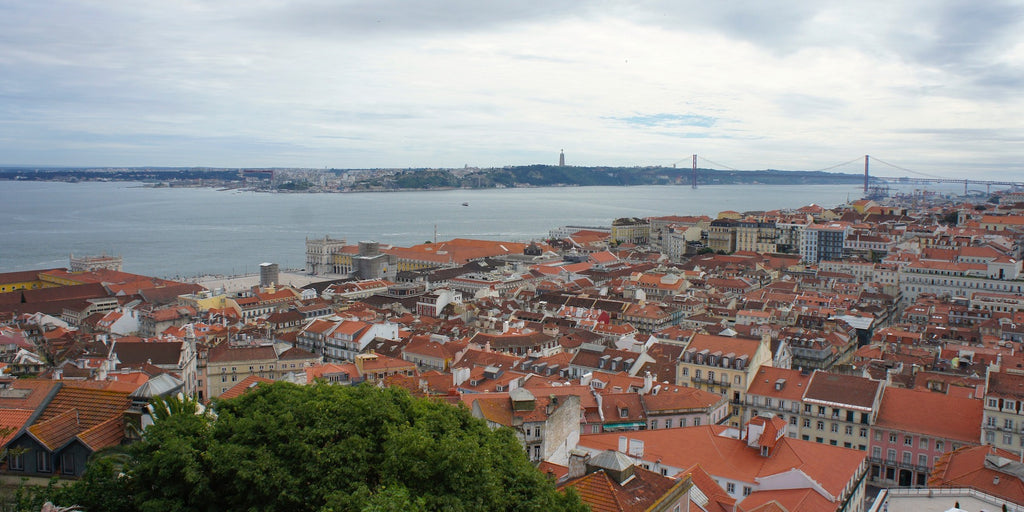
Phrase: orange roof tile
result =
(718, 499)
(911, 410)
(967, 467)
(729, 458)
(54, 432)
(107, 433)
(11, 422)
(247, 384)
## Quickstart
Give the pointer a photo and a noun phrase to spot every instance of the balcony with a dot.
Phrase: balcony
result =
(899, 465)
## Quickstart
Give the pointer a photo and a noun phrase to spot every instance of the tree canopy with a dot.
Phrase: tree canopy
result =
(322, 448)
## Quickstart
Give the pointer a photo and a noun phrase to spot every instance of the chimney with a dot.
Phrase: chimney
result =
(648, 383)
(578, 463)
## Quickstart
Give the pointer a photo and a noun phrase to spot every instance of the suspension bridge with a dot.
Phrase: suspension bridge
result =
(911, 177)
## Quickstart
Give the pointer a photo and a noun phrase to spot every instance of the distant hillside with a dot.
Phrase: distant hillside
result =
(313, 180)
(551, 175)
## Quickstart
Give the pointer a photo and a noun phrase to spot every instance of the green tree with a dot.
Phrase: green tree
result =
(323, 448)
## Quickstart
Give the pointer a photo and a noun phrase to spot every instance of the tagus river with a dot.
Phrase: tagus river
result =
(170, 232)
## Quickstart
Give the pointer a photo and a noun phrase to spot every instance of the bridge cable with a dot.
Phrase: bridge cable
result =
(904, 169)
(837, 165)
(716, 163)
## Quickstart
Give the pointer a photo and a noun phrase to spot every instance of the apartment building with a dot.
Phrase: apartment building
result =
(839, 409)
(1003, 412)
(723, 365)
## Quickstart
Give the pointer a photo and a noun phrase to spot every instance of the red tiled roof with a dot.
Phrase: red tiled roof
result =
(852, 391)
(675, 398)
(27, 393)
(914, 411)
(786, 500)
(718, 499)
(244, 386)
(94, 405)
(967, 467)
(732, 459)
(764, 382)
(11, 422)
(739, 346)
(57, 430)
(638, 493)
(107, 433)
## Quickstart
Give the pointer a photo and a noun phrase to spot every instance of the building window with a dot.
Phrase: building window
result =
(747, 490)
(821, 425)
(686, 372)
(878, 435)
(43, 463)
(890, 455)
(730, 487)
(864, 433)
(807, 423)
(654, 424)
(67, 463)
(892, 438)
(876, 452)
(922, 460)
(924, 444)
(16, 462)
(992, 402)
(792, 420)
(939, 445)
(668, 422)
(835, 428)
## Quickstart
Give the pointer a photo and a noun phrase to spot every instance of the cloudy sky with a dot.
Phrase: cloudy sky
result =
(932, 86)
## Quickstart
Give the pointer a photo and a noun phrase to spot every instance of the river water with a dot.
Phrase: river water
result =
(170, 232)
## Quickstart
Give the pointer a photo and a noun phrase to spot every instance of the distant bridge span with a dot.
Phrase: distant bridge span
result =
(924, 178)
(915, 177)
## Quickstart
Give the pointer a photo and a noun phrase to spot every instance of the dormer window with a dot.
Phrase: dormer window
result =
(623, 412)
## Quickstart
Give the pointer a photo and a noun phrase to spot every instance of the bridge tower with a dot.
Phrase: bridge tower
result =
(866, 158)
(694, 171)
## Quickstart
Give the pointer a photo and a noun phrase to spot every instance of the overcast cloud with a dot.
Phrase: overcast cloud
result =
(933, 86)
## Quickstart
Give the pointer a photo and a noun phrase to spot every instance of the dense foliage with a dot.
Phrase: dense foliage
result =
(324, 448)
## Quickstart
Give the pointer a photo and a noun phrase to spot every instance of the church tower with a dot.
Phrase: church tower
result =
(561, 158)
